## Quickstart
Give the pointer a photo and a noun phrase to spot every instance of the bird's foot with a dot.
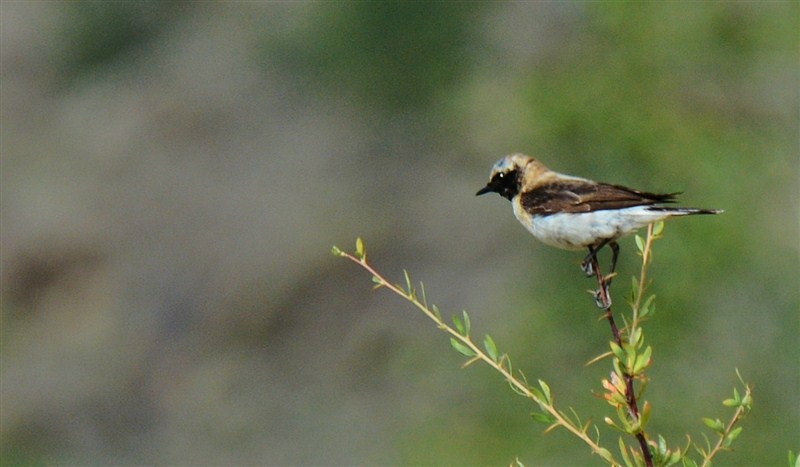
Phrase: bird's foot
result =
(602, 296)
(587, 267)
(601, 299)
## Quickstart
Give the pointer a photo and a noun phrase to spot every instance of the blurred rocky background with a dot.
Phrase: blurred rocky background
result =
(174, 175)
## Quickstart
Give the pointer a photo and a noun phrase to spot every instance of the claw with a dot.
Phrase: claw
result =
(598, 300)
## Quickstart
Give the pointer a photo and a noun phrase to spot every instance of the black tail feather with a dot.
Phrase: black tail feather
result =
(686, 211)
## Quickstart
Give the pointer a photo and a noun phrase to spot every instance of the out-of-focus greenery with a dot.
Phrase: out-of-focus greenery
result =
(98, 36)
(174, 174)
(392, 56)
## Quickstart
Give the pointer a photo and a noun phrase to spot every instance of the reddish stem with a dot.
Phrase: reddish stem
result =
(630, 394)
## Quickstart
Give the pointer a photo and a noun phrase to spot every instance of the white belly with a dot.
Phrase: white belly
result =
(573, 231)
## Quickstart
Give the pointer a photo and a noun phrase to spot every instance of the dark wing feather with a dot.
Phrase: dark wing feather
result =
(576, 196)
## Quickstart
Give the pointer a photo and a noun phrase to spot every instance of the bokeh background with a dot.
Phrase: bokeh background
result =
(175, 174)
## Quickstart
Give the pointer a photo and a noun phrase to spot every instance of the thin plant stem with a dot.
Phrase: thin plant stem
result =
(741, 411)
(517, 384)
(646, 257)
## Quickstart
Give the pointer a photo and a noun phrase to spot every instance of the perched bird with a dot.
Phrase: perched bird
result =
(575, 213)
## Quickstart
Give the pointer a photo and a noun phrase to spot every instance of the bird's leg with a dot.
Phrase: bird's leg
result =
(591, 267)
(606, 280)
(586, 264)
(614, 255)
(602, 297)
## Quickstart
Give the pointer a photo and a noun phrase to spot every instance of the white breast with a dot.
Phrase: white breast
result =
(573, 231)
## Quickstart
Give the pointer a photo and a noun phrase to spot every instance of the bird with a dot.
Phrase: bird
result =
(575, 213)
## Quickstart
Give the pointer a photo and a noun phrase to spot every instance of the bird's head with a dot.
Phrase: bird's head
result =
(507, 176)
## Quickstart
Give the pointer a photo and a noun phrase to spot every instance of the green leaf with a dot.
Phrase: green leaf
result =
(461, 348)
(662, 446)
(617, 350)
(647, 409)
(459, 325)
(409, 287)
(732, 436)
(543, 417)
(794, 461)
(642, 361)
(739, 375)
(546, 391)
(521, 374)
(639, 243)
(336, 251)
(623, 449)
(361, 252)
(617, 400)
(615, 364)
(704, 452)
(622, 416)
(688, 462)
(613, 424)
(636, 338)
(630, 356)
(436, 312)
(658, 228)
(491, 348)
(747, 401)
(467, 324)
(539, 395)
(674, 458)
(647, 308)
(577, 418)
(606, 455)
(715, 425)
(516, 389)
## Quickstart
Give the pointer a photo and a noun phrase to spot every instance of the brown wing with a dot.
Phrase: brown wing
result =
(580, 196)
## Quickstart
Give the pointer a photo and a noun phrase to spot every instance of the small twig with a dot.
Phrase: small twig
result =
(646, 254)
(742, 410)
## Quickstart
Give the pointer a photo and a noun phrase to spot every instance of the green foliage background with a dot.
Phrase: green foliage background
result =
(173, 175)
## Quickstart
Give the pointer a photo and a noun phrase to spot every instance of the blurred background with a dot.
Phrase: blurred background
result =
(175, 174)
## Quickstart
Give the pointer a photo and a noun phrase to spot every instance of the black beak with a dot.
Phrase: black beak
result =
(487, 189)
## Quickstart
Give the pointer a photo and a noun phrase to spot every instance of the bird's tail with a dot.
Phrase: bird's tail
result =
(685, 211)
